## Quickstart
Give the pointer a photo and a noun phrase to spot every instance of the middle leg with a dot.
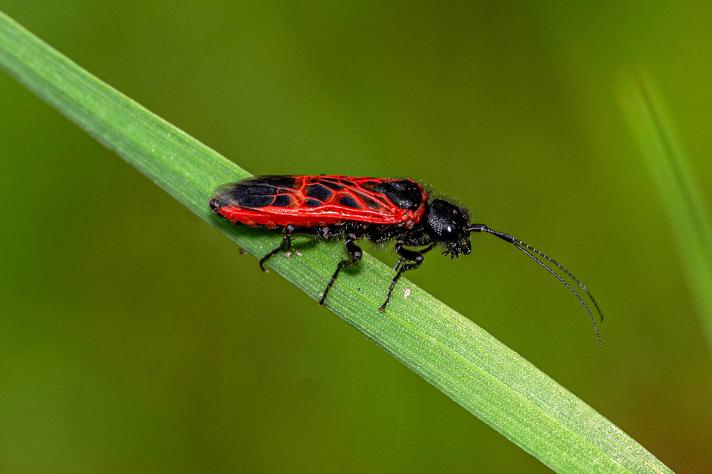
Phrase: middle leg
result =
(355, 255)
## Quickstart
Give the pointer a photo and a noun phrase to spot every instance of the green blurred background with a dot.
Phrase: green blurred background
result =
(135, 338)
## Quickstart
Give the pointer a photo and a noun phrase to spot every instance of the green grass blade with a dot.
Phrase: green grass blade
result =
(448, 350)
(688, 217)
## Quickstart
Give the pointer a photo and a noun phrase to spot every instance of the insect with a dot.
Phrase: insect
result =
(378, 209)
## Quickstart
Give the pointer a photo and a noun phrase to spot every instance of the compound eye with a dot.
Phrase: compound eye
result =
(449, 230)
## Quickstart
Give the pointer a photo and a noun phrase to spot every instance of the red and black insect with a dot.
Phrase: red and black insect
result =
(379, 209)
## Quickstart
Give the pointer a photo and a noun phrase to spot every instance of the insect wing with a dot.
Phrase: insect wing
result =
(309, 201)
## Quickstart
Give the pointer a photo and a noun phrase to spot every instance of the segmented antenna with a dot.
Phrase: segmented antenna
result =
(566, 272)
(530, 252)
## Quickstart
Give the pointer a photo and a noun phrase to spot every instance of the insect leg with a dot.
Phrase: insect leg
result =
(355, 255)
(285, 246)
(414, 257)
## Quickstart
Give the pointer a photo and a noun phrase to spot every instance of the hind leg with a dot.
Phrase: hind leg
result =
(285, 246)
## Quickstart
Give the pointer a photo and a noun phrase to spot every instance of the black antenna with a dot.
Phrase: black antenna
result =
(528, 249)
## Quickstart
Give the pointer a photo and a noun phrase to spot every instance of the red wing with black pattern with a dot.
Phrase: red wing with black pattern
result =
(315, 201)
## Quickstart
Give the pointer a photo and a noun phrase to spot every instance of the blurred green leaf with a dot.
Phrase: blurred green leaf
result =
(687, 215)
(448, 350)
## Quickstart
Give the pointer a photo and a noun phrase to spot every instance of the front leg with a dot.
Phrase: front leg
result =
(355, 255)
(409, 260)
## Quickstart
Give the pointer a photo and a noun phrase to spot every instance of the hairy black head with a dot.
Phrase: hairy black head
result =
(449, 225)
